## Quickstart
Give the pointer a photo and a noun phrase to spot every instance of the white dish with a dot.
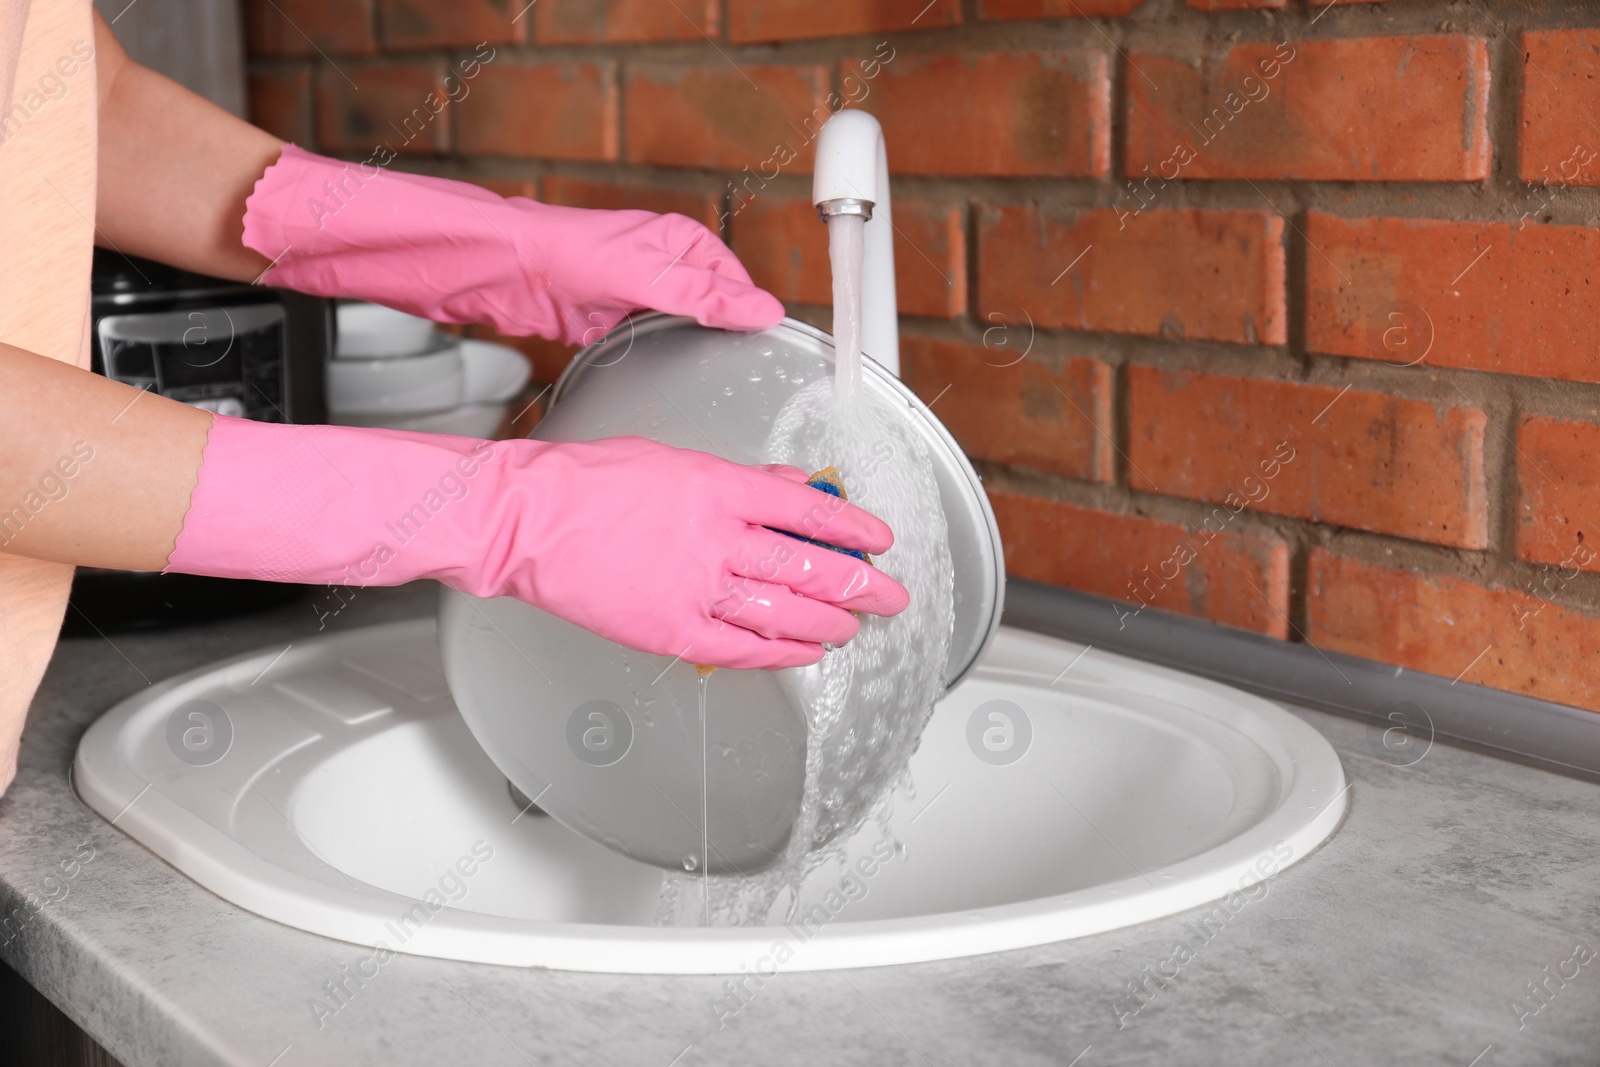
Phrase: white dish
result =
(468, 420)
(495, 373)
(372, 331)
(434, 381)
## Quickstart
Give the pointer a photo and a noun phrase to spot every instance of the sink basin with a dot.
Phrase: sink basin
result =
(1059, 792)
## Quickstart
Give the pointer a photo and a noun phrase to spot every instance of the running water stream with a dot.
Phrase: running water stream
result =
(866, 702)
(845, 250)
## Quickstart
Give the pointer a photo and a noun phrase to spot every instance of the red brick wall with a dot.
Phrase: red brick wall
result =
(1282, 315)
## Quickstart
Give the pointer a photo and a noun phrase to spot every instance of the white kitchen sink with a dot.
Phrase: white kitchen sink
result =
(1058, 792)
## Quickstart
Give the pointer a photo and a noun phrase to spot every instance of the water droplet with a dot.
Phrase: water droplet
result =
(727, 390)
(691, 862)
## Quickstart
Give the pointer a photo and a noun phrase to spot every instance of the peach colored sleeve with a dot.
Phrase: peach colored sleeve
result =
(47, 201)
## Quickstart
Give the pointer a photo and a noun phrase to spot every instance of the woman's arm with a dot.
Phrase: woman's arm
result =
(175, 169)
(92, 471)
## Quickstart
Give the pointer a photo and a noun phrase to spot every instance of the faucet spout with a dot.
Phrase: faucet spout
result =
(852, 178)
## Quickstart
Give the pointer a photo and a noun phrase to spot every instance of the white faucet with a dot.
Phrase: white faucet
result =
(852, 178)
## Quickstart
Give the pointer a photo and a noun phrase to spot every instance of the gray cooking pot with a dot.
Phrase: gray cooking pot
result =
(608, 740)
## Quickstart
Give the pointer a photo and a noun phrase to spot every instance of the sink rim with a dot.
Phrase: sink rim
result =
(1312, 775)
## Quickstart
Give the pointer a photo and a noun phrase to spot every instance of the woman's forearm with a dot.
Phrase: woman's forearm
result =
(175, 169)
(92, 471)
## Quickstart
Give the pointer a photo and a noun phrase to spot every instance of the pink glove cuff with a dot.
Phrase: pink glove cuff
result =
(454, 252)
(284, 503)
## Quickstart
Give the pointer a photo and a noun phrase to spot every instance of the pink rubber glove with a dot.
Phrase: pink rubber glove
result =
(662, 549)
(454, 252)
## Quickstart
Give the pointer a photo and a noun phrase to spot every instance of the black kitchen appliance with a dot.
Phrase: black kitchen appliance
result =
(236, 349)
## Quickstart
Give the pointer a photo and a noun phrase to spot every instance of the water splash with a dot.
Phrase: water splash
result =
(866, 703)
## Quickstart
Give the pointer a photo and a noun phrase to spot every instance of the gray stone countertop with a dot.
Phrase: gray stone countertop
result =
(1414, 936)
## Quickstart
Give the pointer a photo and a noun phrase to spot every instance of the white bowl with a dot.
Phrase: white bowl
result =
(381, 385)
(495, 373)
(375, 332)
(468, 420)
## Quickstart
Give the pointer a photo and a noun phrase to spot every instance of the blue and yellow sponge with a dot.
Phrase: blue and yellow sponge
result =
(827, 480)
